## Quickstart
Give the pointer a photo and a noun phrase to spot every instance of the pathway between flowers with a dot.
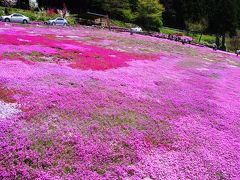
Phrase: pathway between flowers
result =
(79, 103)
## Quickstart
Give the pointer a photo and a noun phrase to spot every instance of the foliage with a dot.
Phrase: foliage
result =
(150, 14)
(131, 11)
(117, 9)
(234, 43)
(222, 20)
(196, 26)
(220, 16)
(118, 23)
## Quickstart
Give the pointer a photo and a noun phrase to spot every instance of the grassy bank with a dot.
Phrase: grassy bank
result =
(205, 39)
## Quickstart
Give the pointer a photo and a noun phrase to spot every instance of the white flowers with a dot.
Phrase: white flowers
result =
(8, 109)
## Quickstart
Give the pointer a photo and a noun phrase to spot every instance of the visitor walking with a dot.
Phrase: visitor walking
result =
(131, 31)
(214, 46)
(238, 52)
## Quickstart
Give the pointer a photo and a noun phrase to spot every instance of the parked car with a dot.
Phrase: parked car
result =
(58, 21)
(18, 18)
(136, 29)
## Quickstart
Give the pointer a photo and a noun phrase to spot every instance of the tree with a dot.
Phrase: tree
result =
(234, 43)
(197, 26)
(173, 16)
(238, 7)
(118, 9)
(223, 18)
(149, 14)
(23, 4)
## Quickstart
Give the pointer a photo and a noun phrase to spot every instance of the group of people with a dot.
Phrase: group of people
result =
(179, 38)
(182, 39)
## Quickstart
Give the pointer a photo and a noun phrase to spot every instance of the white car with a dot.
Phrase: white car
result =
(58, 21)
(18, 18)
(136, 29)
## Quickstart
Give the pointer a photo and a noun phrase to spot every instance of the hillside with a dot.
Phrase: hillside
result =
(84, 103)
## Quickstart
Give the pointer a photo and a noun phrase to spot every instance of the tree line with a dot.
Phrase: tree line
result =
(146, 13)
(219, 17)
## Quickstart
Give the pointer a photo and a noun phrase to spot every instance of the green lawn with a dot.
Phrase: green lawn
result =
(168, 31)
(206, 39)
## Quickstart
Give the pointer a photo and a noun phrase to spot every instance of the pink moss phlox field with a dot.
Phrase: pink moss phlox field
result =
(81, 103)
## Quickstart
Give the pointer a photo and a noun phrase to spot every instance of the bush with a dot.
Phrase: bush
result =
(200, 26)
(149, 14)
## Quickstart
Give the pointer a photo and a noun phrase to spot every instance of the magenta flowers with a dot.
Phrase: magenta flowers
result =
(81, 103)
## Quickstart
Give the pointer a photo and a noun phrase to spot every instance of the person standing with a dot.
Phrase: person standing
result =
(214, 46)
(131, 31)
(238, 52)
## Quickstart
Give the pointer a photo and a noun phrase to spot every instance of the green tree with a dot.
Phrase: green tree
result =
(194, 11)
(118, 9)
(223, 18)
(197, 26)
(149, 14)
(238, 7)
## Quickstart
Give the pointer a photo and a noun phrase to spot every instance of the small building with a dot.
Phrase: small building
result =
(95, 19)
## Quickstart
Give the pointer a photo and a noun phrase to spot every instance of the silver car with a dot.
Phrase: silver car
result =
(58, 21)
(19, 18)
